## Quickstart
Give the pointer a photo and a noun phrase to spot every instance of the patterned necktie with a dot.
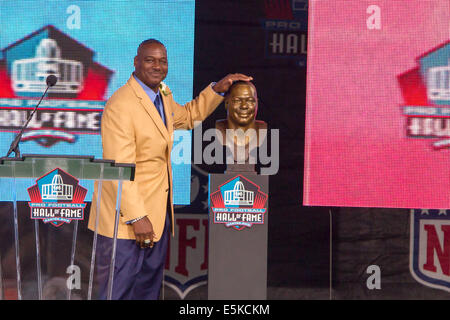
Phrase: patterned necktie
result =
(159, 107)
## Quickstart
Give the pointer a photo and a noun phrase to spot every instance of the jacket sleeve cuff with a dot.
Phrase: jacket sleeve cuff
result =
(219, 93)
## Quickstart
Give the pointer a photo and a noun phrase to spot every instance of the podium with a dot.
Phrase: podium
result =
(238, 225)
(54, 189)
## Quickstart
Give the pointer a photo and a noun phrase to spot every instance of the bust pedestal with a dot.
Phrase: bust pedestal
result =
(238, 225)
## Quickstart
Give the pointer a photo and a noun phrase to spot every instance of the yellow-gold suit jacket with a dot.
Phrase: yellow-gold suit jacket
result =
(133, 132)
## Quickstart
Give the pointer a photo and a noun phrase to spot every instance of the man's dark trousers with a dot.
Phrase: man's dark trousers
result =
(138, 272)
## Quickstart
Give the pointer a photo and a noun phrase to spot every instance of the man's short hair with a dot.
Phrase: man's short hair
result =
(149, 41)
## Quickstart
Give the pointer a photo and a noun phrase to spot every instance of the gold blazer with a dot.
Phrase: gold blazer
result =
(133, 132)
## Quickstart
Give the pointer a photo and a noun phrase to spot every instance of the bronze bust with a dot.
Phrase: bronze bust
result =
(241, 132)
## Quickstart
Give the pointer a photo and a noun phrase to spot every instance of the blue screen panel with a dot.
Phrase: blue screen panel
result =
(90, 46)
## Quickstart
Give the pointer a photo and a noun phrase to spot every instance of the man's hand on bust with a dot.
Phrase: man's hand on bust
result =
(224, 84)
(143, 229)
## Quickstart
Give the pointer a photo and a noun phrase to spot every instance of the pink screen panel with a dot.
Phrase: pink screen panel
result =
(378, 104)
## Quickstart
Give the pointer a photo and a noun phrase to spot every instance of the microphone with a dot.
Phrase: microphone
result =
(51, 81)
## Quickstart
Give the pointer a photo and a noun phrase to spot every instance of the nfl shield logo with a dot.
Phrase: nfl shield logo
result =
(430, 248)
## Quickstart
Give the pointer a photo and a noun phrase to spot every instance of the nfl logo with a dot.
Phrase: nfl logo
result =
(430, 248)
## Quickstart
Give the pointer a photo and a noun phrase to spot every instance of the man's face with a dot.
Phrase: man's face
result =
(241, 104)
(150, 64)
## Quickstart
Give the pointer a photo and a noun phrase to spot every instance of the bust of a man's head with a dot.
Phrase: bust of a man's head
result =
(241, 129)
(241, 103)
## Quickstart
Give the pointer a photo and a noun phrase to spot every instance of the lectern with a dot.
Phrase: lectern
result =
(56, 189)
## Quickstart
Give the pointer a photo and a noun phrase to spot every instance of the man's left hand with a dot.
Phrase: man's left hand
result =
(223, 85)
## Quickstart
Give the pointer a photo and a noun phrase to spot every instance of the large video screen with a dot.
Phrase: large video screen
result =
(91, 46)
(378, 104)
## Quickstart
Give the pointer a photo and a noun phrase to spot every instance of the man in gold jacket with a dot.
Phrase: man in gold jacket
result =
(137, 127)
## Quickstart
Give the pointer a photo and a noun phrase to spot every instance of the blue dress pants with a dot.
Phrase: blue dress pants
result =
(138, 273)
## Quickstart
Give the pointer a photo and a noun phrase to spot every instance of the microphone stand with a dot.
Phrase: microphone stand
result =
(15, 144)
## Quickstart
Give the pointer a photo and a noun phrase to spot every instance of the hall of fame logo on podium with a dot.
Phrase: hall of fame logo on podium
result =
(57, 198)
(238, 203)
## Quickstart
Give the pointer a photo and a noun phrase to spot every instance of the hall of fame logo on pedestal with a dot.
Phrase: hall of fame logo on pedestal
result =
(238, 203)
(57, 198)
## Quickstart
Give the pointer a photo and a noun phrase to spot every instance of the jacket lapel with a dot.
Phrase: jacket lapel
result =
(150, 107)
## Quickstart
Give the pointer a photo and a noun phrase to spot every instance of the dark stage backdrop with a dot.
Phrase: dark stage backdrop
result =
(237, 36)
(368, 244)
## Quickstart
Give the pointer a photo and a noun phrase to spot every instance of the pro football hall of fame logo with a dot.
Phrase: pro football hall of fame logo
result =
(73, 106)
(426, 95)
(238, 203)
(57, 198)
(286, 26)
